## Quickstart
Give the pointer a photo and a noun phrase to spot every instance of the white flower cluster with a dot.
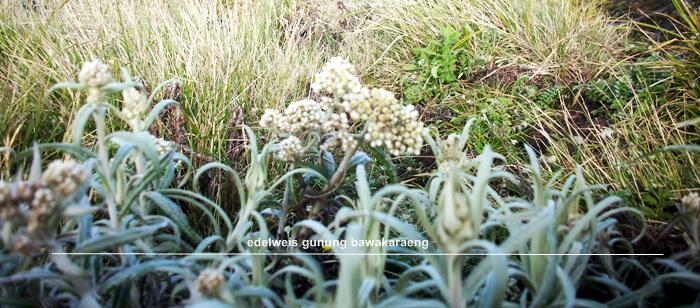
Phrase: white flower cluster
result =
(359, 104)
(135, 105)
(41, 210)
(291, 148)
(388, 123)
(335, 122)
(94, 75)
(393, 125)
(452, 154)
(11, 195)
(691, 203)
(337, 126)
(30, 205)
(209, 282)
(163, 147)
(65, 176)
(271, 120)
(337, 77)
(301, 117)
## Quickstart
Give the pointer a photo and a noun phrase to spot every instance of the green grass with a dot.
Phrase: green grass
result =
(561, 40)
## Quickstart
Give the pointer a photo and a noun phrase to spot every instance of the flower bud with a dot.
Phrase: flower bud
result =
(291, 148)
(64, 177)
(209, 282)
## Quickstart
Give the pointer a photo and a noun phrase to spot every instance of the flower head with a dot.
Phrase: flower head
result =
(387, 122)
(691, 203)
(291, 148)
(301, 117)
(22, 192)
(451, 153)
(209, 282)
(43, 203)
(163, 147)
(65, 176)
(337, 77)
(135, 105)
(41, 211)
(95, 74)
(393, 125)
(271, 119)
(336, 125)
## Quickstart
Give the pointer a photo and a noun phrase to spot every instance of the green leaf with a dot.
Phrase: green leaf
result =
(80, 122)
(138, 270)
(175, 213)
(153, 115)
(111, 241)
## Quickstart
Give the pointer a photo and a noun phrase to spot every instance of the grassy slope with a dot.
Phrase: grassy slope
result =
(257, 54)
(553, 43)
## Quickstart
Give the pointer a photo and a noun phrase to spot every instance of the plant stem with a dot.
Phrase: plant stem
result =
(337, 177)
(454, 280)
(103, 156)
(285, 208)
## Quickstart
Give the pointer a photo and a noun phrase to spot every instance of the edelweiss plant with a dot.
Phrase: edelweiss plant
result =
(121, 194)
(109, 224)
(347, 115)
(30, 210)
(381, 119)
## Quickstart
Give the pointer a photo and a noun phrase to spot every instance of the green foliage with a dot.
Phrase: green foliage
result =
(441, 64)
(549, 96)
(640, 82)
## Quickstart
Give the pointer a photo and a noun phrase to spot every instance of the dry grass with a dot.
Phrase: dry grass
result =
(563, 40)
(247, 54)
(625, 150)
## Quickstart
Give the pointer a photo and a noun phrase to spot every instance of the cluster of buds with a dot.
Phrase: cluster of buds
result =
(291, 148)
(302, 116)
(163, 147)
(393, 125)
(454, 225)
(32, 206)
(94, 75)
(337, 77)
(452, 156)
(691, 203)
(65, 177)
(337, 127)
(209, 282)
(135, 105)
(388, 123)
(29, 205)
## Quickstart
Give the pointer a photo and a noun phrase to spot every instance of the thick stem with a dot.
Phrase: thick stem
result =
(340, 172)
(454, 277)
(103, 157)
